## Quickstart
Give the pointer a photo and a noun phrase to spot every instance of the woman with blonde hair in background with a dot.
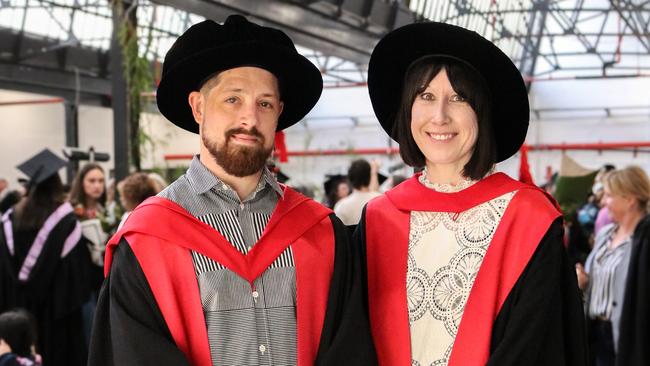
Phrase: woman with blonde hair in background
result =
(627, 192)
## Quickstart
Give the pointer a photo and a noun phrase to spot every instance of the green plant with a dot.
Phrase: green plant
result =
(138, 75)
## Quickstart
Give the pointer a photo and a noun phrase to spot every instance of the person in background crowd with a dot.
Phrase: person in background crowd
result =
(158, 181)
(11, 198)
(45, 266)
(603, 218)
(603, 278)
(365, 184)
(18, 339)
(464, 266)
(88, 197)
(226, 266)
(4, 188)
(133, 190)
(113, 208)
(634, 333)
(88, 192)
(396, 180)
(336, 187)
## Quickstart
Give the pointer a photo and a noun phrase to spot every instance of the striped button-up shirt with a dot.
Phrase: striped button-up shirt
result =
(603, 275)
(245, 326)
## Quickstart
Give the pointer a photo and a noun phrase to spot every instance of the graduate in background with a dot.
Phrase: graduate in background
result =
(44, 262)
(464, 266)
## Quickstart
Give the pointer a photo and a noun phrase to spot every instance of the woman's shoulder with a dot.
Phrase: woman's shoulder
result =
(534, 201)
(379, 202)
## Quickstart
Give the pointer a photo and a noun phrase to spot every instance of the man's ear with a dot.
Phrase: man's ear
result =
(196, 101)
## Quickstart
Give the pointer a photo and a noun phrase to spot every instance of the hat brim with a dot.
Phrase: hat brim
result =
(301, 80)
(398, 50)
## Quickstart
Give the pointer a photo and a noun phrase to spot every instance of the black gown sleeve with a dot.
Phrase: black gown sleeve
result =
(635, 320)
(346, 338)
(129, 328)
(541, 321)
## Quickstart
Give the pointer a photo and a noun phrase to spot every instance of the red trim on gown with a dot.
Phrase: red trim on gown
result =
(523, 225)
(161, 234)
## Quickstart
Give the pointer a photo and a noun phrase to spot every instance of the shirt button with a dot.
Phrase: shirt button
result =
(256, 294)
(262, 348)
(250, 248)
(241, 206)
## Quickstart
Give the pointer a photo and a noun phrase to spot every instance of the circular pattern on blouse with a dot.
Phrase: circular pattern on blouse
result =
(448, 297)
(417, 291)
(444, 294)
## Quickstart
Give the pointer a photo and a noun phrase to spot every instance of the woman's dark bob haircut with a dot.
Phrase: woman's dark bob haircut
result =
(470, 85)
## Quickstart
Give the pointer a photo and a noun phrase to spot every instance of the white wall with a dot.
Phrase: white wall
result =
(28, 130)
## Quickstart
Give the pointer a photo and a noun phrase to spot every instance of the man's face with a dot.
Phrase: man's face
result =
(238, 113)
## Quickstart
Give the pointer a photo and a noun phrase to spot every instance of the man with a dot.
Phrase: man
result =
(225, 266)
(363, 177)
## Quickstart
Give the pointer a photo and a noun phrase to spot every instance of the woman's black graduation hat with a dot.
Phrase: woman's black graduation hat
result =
(401, 48)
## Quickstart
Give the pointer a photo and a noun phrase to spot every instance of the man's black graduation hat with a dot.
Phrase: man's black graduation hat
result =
(208, 47)
(41, 166)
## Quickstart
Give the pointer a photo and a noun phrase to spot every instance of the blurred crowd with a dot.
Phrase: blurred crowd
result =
(48, 294)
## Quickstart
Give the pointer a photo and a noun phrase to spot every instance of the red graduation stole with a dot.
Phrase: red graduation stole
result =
(523, 225)
(162, 233)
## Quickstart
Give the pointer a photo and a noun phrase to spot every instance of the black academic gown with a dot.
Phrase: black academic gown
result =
(634, 338)
(130, 328)
(54, 292)
(541, 320)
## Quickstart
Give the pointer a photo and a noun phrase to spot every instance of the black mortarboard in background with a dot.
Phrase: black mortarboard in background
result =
(332, 181)
(41, 166)
(381, 178)
(279, 175)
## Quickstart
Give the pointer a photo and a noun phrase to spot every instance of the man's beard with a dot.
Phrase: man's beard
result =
(239, 161)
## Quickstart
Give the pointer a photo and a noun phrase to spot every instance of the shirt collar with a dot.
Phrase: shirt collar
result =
(202, 180)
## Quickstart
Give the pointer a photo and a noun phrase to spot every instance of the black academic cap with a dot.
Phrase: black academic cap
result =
(41, 166)
(332, 181)
(281, 177)
(381, 178)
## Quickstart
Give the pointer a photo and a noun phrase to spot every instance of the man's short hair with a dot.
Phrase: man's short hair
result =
(359, 174)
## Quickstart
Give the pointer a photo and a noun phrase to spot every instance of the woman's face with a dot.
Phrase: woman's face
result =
(94, 184)
(342, 190)
(443, 124)
(617, 205)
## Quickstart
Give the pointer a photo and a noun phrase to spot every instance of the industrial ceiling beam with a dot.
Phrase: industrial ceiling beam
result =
(306, 27)
(67, 85)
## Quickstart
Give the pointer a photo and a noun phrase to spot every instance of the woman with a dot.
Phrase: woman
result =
(44, 264)
(88, 196)
(627, 193)
(464, 267)
(88, 192)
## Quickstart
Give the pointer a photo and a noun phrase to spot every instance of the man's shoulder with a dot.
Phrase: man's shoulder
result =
(180, 186)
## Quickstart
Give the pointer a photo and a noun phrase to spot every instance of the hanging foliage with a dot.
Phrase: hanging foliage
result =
(137, 74)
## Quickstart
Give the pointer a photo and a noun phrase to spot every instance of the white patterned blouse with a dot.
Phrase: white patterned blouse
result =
(446, 251)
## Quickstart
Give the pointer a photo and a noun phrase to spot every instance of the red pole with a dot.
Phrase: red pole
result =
(33, 101)
(395, 150)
